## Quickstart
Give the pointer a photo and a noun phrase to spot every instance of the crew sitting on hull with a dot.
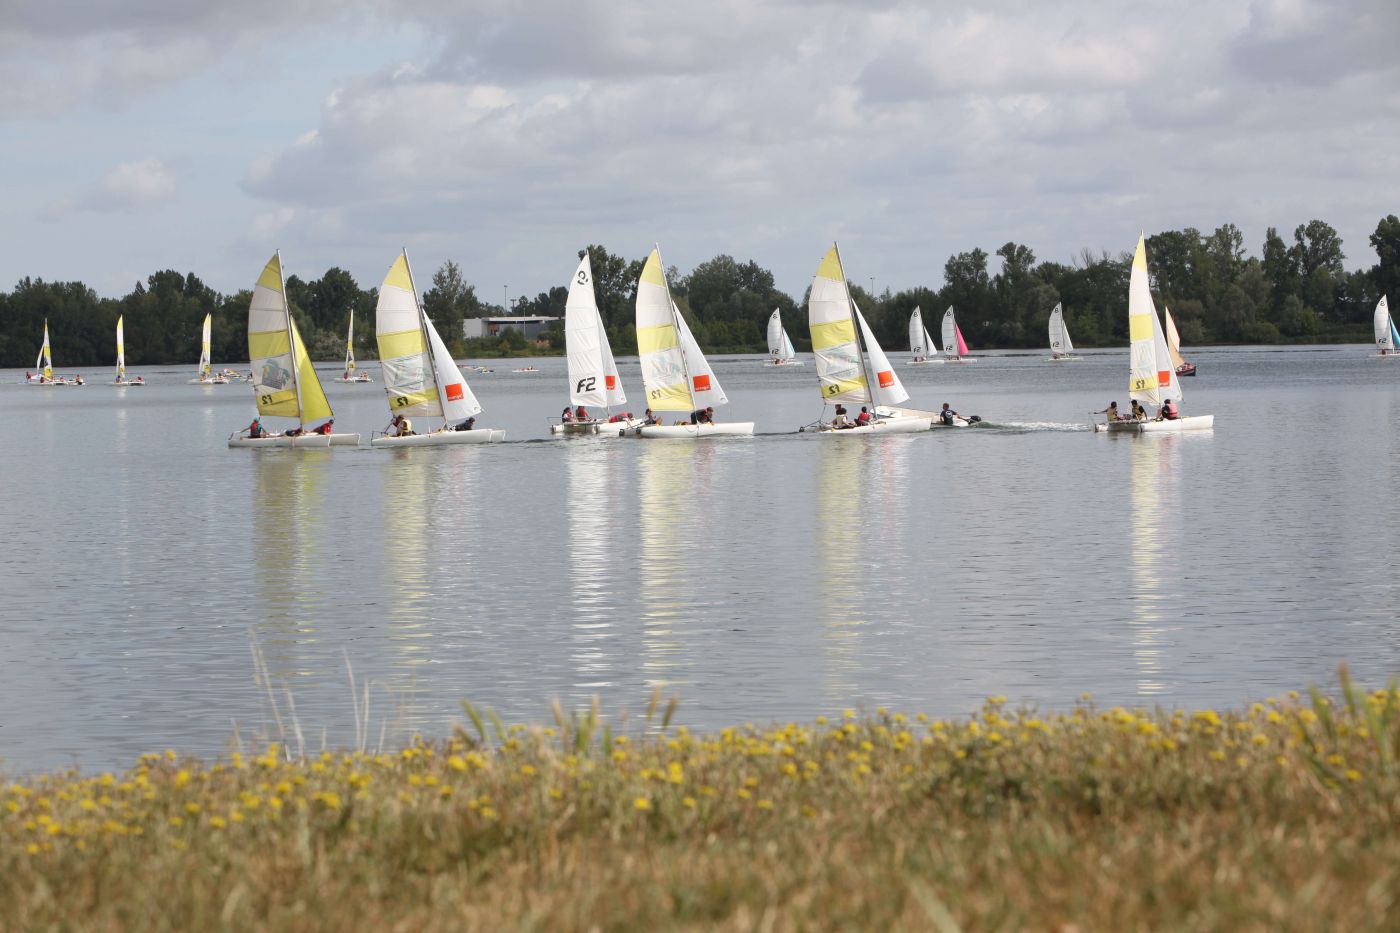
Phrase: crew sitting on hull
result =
(1111, 411)
(864, 418)
(324, 428)
(256, 429)
(1139, 413)
(399, 426)
(467, 425)
(840, 420)
(947, 415)
(1168, 411)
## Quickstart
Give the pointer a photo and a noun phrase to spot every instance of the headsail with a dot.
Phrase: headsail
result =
(205, 368)
(954, 345)
(121, 350)
(1060, 344)
(840, 369)
(284, 381)
(962, 344)
(1385, 327)
(888, 389)
(455, 396)
(658, 342)
(1152, 377)
(45, 361)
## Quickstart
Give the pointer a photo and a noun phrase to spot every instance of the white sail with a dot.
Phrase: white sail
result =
(1060, 344)
(585, 341)
(1152, 377)
(612, 381)
(456, 398)
(350, 345)
(658, 342)
(840, 369)
(705, 389)
(780, 347)
(1173, 340)
(121, 350)
(284, 381)
(205, 368)
(1384, 328)
(950, 333)
(921, 343)
(888, 389)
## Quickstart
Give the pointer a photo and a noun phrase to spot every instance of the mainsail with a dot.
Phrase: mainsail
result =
(593, 378)
(954, 346)
(121, 351)
(780, 347)
(206, 370)
(1386, 338)
(45, 361)
(1152, 375)
(675, 373)
(420, 376)
(1060, 344)
(284, 381)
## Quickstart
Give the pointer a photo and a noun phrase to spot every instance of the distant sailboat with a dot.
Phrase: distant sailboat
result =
(921, 345)
(851, 367)
(284, 381)
(675, 373)
(206, 375)
(1387, 337)
(120, 379)
(351, 374)
(1151, 379)
(780, 350)
(954, 346)
(420, 376)
(44, 363)
(1061, 347)
(593, 376)
(1181, 367)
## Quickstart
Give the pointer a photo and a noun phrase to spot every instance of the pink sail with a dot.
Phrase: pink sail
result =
(962, 344)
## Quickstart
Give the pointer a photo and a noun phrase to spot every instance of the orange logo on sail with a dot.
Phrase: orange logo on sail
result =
(610, 382)
(702, 383)
(886, 379)
(454, 392)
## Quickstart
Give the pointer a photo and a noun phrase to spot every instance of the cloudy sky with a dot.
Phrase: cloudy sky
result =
(506, 134)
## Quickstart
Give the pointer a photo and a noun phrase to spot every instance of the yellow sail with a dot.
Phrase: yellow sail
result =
(121, 350)
(840, 373)
(314, 406)
(284, 382)
(658, 342)
(45, 357)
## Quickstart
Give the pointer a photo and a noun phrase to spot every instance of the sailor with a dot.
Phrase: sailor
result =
(863, 418)
(1169, 411)
(947, 415)
(1111, 411)
(568, 415)
(467, 425)
(255, 429)
(399, 427)
(649, 418)
(581, 414)
(840, 421)
(1139, 413)
(325, 428)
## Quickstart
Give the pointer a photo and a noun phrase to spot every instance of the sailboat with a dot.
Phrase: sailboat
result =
(1387, 337)
(593, 378)
(1181, 367)
(954, 346)
(851, 367)
(675, 373)
(120, 378)
(284, 381)
(1151, 379)
(921, 344)
(780, 350)
(206, 375)
(1061, 347)
(45, 376)
(420, 376)
(351, 374)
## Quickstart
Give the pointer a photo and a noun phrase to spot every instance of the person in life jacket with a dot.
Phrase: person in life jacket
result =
(256, 429)
(467, 425)
(581, 414)
(325, 428)
(1111, 411)
(863, 418)
(568, 415)
(1169, 410)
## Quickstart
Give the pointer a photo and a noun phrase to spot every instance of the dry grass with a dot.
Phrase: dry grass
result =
(1282, 816)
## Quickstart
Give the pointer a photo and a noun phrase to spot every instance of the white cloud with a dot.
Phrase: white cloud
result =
(132, 187)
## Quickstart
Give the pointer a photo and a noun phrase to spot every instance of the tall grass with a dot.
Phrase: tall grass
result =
(1279, 816)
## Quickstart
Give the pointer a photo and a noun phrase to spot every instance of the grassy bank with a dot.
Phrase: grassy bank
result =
(1279, 816)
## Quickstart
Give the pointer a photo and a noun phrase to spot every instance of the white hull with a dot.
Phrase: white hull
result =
(301, 440)
(345, 440)
(124, 383)
(961, 359)
(1384, 356)
(720, 429)
(782, 362)
(441, 438)
(920, 362)
(1064, 359)
(587, 428)
(216, 381)
(1192, 423)
(356, 379)
(957, 423)
(883, 426)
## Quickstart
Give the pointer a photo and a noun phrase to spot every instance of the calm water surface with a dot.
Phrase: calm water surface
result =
(759, 579)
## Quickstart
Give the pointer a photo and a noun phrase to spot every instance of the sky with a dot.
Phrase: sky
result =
(505, 136)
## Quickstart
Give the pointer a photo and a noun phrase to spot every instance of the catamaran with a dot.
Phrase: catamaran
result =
(921, 345)
(780, 350)
(954, 346)
(45, 376)
(1181, 367)
(206, 375)
(351, 374)
(675, 373)
(851, 367)
(284, 381)
(593, 378)
(1387, 337)
(1151, 380)
(420, 376)
(1061, 347)
(120, 378)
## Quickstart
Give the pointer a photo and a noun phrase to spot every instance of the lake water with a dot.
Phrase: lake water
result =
(762, 579)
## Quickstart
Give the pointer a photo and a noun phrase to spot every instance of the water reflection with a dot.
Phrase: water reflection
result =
(844, 565)
(288, 534)
(676, 480)
(1154, 542)
(594, 569)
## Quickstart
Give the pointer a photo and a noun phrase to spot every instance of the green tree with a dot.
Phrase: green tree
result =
(1386, 242)
(448, 303)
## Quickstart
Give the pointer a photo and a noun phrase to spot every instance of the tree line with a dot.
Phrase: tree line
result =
(1298, 291)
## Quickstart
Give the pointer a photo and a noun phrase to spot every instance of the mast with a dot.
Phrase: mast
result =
(423, 328)
(291, 340)
(860, 337)
(675, 313)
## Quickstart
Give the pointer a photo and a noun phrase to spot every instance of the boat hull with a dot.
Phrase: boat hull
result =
(343, 379)
(961, 359)
(588, 428)
(782, 362)
(920, 362)
(883, 426)
(1186, 369)
(1193, 423)
(344, 440)
(442, 438)
(719, 429)
(281, 440)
